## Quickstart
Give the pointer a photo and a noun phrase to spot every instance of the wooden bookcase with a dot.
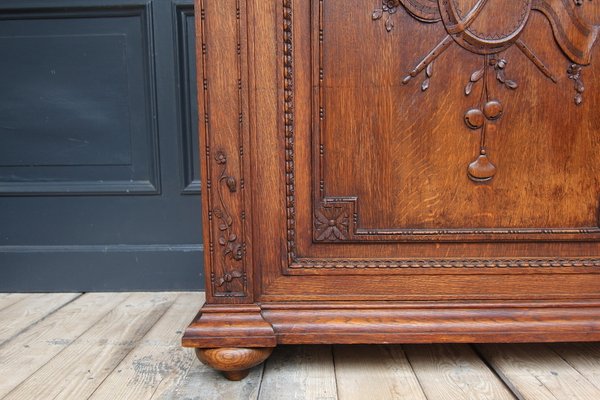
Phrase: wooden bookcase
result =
(397, 171)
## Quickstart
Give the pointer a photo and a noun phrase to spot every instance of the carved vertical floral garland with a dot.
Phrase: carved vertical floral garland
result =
(232, 250)
(224, 189)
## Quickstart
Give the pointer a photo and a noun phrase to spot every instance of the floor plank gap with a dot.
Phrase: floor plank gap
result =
(158, 359)
(299, 372)
(375, 372)
(499, 374)
(454, 372)
(539, 373)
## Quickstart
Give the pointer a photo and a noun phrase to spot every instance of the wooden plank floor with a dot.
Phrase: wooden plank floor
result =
(126, 346)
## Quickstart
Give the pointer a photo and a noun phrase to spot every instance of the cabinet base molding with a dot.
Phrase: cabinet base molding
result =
(233, 339)
(222, 326)
(449, 322)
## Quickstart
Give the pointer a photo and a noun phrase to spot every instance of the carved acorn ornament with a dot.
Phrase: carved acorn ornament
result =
(492, 109)
(474, 118)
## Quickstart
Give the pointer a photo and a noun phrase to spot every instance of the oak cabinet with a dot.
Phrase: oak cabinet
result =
(397, 171)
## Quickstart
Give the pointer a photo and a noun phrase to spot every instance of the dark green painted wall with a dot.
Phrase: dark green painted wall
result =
(99, 182)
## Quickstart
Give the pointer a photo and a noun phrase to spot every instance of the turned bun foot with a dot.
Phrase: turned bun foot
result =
(234, 363)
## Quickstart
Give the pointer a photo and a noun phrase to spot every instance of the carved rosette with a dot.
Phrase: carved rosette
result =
(331, 224)
(488, 28)
(334, 221)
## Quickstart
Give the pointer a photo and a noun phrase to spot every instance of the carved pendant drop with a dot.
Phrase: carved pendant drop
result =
(482, 169)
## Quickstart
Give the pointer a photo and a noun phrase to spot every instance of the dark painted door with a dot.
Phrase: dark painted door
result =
(99, 186)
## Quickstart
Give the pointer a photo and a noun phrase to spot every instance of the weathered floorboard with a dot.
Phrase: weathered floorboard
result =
(8, 299)
(158, 362)
(538, 373)
(299, 372)
(454, 372)
(195, 381)
(30, 310)
(127, 346)
(584, 357)
(30, 350)
(79, 369)
(375, 372)
(204, 383)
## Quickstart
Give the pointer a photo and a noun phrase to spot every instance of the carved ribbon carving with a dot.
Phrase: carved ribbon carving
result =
(466, 23)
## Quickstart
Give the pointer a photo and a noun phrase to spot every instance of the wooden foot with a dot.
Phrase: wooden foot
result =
(235, 363)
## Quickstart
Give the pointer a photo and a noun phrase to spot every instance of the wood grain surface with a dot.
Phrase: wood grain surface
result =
(537, 372)
(20, 315)
(376, 372)
(157, 363)
(299, 372)
(130, 348)
(454, 372)
(78, 370)
(40, 342)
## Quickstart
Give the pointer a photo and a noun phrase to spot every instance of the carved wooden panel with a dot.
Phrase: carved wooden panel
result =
(447, 137)
(488, 29)
(224, 116)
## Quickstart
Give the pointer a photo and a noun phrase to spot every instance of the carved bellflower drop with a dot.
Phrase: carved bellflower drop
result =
(574, 73)
(390, 7)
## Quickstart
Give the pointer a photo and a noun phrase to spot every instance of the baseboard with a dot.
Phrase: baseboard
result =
(101, 268)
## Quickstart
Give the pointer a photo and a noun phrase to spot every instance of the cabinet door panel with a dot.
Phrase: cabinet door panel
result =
(419, 144)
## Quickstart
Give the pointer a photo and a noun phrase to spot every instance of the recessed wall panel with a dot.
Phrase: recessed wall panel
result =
(77, 109)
